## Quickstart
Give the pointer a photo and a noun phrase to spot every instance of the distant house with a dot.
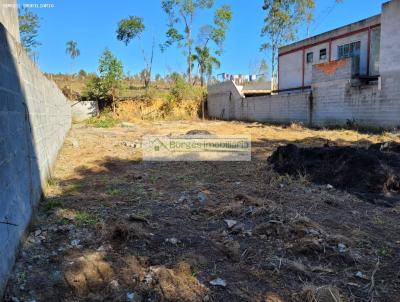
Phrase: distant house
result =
(360, 40)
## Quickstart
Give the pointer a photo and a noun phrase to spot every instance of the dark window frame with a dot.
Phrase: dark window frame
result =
(349, 50)
(309, 57)
(322, 54)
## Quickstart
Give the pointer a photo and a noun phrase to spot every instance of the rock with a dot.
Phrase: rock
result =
(37, 233)
(130, 296)
(114, 284)
(230, 223)
(361, 275)
(218, 282)
(202, 197)
(14, 299)
(76, 243)
(128, 125)
(129, 144)
(342, 248)
(329, 187)
(172, 240)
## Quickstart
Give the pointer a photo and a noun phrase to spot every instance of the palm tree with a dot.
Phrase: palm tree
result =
(72, 50)
(205, 61)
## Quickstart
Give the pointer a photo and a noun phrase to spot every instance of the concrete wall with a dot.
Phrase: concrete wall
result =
(335, 100)
(34, 120)
(290, 70)
(225, 101)
(9, 17)
(83, 110)
(390, 44)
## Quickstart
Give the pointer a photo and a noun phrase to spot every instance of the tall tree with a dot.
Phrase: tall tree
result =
(28, 28)
(206, 62)
(111, 75)
(132, 28)
(181, 15)
(72, 50)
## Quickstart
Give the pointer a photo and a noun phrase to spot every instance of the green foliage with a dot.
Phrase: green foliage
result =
(183, 12)
(101, 122)
(72, 49)
(84, 218)
(53, 204)
(129, 29)
(222, 18)
(28, 28)
(108, 85)
(111, 72)
(280, 23)
(205, 61)
(181, 90)
(82, 73)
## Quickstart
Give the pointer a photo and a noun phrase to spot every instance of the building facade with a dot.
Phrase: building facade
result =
(348, 76)
(360, 40)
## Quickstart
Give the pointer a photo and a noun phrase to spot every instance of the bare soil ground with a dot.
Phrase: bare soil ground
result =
(115, 228)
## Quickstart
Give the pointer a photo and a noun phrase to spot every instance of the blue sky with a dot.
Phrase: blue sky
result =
(93, 23)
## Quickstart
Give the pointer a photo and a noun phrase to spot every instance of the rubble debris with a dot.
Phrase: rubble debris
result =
(230, 223)
(218, 282)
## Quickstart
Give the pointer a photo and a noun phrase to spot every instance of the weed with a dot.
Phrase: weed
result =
(52, 181)
(114, 191)
(84, 218)
(74, 187)
(52, 204)
(101, 123)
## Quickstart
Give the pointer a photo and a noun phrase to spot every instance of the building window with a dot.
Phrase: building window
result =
(322, 54)
(349, 50)
(310, 57)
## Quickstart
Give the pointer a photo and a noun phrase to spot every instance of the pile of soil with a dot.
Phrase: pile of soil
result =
(375, 170)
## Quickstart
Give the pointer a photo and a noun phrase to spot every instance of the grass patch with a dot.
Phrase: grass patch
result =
(101, 123)
(74, 187)
(113, 191)
(52, 204)
(52, 181)
(84, 218)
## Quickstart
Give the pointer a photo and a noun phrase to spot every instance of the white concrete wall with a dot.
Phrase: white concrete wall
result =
(83, 110)
(223, 100)
(308, 66)
(9, 17)
(390, 44)
(290, 70)
(226, 102)
(285, 108)
(34, 120)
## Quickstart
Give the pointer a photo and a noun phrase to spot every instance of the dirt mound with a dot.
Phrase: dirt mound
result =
(373, 171)
(198, 132)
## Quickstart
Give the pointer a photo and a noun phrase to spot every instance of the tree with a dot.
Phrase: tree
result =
(183, 12)
(206, 62)
(72, 50)
(28, 28)
(132, 28)
(280, 24)
(109, 81)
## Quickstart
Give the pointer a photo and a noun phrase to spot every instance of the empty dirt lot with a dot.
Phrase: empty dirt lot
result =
(115, 228)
